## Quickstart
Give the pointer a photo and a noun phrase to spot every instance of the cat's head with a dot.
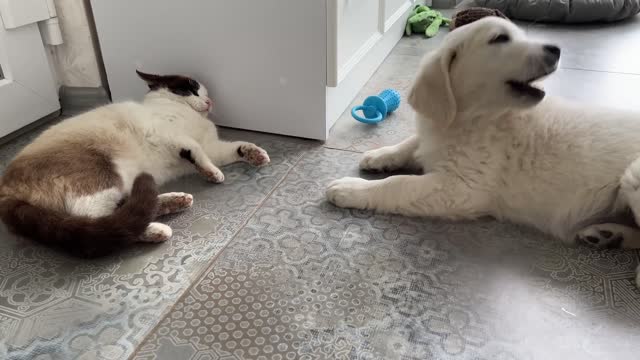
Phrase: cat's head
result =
(180, 88)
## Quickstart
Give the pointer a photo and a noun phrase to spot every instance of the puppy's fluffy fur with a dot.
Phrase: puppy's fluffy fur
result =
(491, 143)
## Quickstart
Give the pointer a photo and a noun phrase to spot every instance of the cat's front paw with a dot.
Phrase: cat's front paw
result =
(253, 154)
(212, 174)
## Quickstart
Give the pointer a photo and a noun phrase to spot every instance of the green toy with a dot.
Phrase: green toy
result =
(424, 20)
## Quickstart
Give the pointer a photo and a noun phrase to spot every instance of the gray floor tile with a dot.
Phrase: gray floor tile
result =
(596, 88)
(419, 45)
(306, 280)
(603, 47)
(53, 305)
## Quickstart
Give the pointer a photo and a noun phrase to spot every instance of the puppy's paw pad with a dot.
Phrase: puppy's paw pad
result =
(253, 154)
(157, 233)
(348, 192)
(599, 237)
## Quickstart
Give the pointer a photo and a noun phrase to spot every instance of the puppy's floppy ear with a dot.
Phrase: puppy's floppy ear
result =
(431, 94)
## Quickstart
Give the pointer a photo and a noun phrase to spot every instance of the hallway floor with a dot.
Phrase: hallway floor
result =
(263, 267)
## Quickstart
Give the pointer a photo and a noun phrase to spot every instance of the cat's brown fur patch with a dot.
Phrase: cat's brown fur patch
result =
(58, 165)
(82, 235)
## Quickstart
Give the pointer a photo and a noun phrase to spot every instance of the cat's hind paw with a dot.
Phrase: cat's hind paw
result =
(156, 233)
(253, 154)
(169, 203)
(212, 174)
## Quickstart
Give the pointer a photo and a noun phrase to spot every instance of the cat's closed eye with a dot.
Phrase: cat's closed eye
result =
(194, 86)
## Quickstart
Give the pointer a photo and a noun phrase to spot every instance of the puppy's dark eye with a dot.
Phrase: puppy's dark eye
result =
(500, 39)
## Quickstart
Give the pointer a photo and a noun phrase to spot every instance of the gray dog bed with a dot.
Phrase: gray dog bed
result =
(564, 11)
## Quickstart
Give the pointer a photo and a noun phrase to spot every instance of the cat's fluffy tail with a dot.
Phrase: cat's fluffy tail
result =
(82, 235)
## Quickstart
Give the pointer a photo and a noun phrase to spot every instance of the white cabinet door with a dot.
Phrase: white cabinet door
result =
(27, 87)
(354, 27)
(264, 62)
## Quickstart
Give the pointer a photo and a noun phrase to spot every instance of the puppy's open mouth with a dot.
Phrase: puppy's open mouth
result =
(526, 88)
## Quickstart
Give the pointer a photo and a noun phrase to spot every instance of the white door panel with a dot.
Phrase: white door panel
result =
(13, 117)
(354, 28)
(357, 24)
(27, 88)
(17, 13)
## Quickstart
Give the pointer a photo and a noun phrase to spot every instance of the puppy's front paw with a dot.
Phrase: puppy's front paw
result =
(601, 236)
(348, 192)
(382, 159)
(253, 154)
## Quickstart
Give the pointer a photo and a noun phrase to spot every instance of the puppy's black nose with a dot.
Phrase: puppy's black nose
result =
(553, 50)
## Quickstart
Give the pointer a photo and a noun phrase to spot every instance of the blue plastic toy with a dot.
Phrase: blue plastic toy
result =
(376, 108)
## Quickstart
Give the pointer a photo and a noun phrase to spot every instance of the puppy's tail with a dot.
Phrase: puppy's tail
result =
(81, 235)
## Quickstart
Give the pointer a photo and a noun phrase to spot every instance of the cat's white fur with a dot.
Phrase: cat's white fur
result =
(166, 136)
(153, 133)
(95, 205)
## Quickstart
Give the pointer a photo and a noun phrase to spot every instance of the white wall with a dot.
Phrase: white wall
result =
(76, 63)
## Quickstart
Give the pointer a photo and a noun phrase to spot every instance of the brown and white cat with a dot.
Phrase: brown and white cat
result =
(88, 184)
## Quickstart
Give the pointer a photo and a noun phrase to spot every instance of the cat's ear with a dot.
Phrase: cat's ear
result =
(153, 81)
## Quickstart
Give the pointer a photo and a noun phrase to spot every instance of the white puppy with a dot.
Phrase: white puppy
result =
(490, 144)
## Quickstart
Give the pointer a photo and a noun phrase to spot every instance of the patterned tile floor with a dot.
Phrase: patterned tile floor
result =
(264, 268)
